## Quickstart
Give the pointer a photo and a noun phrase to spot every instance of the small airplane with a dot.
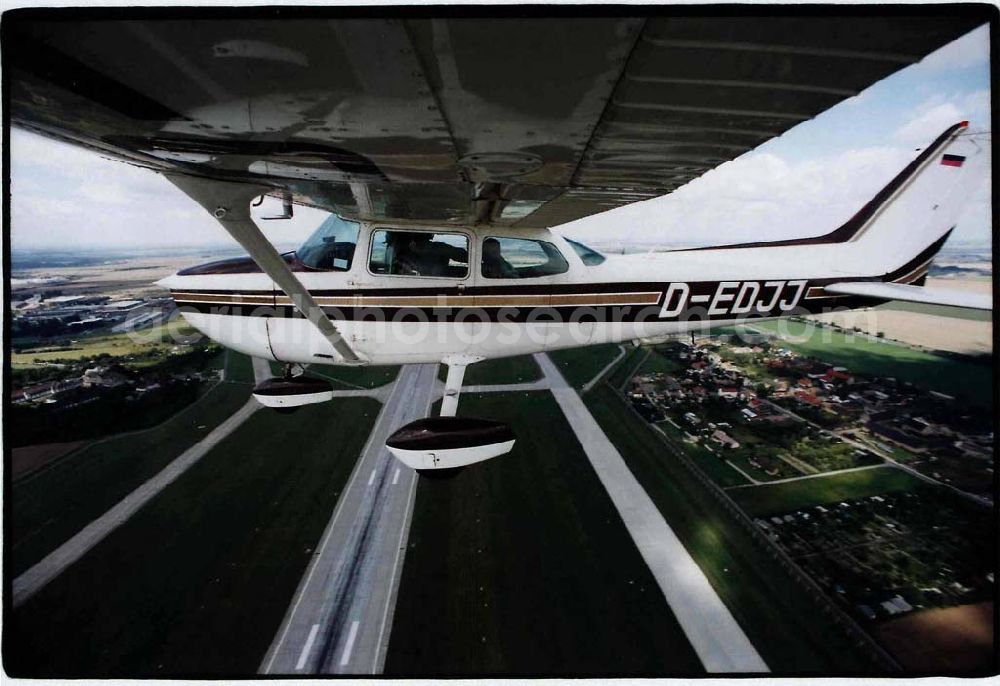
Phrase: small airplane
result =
(440, 245)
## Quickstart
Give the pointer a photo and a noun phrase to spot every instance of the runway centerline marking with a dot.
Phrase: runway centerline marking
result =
(404, 531)
(395, 477)
(331, 527)
(307, 647)
(371, 479)
(346, 657)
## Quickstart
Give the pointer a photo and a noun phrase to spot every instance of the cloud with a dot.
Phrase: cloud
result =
(761, 196)
(937, 113)
(928, 125)
(63, 196)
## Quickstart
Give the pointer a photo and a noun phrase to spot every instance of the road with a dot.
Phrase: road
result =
(713, 632)
(622, 352)
(341, 616)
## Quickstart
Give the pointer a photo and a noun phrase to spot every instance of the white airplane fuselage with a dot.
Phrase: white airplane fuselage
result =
(389, 317)
(403, 319)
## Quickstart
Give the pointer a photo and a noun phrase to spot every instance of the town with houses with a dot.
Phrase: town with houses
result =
(84, 364)
(730, 398)
(48, 323)
(752, 416)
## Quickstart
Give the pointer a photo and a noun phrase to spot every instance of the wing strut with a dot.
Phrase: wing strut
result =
(229, 203)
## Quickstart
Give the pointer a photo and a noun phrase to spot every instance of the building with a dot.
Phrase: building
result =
(102, 377)
(721, 437)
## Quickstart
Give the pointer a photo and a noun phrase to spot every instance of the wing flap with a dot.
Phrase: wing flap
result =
(914, 294)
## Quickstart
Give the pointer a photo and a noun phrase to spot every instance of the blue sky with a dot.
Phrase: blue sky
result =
(804, 182)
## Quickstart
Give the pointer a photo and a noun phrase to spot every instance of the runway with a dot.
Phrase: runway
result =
(341, 616)
(710, 627)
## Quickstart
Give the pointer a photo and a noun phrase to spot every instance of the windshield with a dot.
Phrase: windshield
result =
(331, 246)
(589, 256)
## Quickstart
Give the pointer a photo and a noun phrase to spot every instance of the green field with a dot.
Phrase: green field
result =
(628, 367)
(580, 365)
(659, 363)
(961, 378)
(239, 368)
(780, 618)
(53, 504)
(346, 378)
(938, 310)
(521, 565)
(158, 338)
(503, 370)
(712, 464)
(197, 582)
(775, 498)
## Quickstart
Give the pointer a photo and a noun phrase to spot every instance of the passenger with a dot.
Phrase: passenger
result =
(494, 265)
(421, 256)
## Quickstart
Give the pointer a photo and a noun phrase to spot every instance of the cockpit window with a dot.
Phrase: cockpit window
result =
(520, 258)
(331, 247)
(419, 253)
(589, 256)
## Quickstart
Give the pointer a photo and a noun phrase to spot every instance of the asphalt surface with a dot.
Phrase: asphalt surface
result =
(713, 632)
(341, 616)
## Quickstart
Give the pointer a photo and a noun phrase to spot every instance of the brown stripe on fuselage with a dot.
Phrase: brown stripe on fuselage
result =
(505, 300)
(232, 298)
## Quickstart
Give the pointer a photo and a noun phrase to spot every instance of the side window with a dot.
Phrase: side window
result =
(331, 246)
(419, 253)
(520, 258)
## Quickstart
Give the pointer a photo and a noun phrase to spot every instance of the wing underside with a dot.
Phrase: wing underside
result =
(509, 121)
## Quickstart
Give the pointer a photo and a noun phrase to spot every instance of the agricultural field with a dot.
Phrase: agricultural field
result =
(954, 640)
(580, 365)
(779, 617)
(526, 568)
(960, 377)
(657, 362)
(794, 495)
(52, 504)
(138, 350)
(504, 370)
(197, 582)
(933, 327)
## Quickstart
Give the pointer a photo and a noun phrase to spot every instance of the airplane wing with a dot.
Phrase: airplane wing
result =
(916, 294)
(449, 115)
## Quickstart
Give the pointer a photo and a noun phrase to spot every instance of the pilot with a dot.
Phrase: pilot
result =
(422, 256)
(494, 265)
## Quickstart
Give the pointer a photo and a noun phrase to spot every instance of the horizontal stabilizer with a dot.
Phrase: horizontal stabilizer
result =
(915, 294)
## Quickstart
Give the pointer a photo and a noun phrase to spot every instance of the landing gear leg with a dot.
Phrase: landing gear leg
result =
(292, 370)
(453, 383)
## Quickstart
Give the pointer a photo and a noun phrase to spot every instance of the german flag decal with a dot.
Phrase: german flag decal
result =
(952, 160)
